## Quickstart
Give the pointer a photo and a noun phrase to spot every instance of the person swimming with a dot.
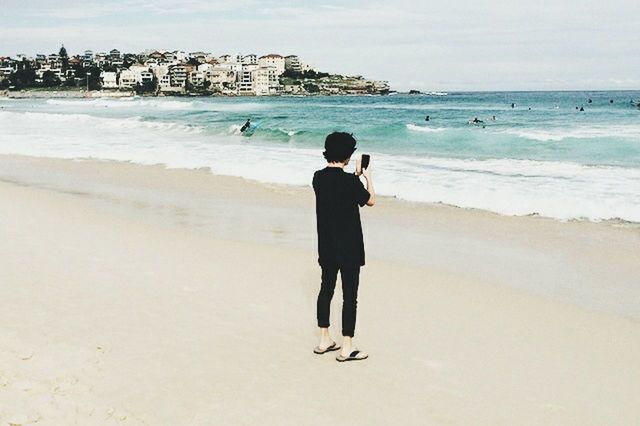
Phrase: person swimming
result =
(581, 108)
(427, 118)
(245, 126)
(475, 121)
(493, 118)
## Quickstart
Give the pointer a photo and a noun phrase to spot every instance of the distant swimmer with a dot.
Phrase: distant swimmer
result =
(493, 118)
(475, 121)
(576, 108)
(610, 101)
(589, 101)
(245, 126)
(581, 108)
(427, 118)
(513, 105)
(529, 108)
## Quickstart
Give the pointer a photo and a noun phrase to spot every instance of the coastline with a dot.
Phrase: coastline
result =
(145, 295)
(71, 94)
(54, 94)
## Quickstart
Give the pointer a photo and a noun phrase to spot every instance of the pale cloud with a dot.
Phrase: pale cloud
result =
(456, 44)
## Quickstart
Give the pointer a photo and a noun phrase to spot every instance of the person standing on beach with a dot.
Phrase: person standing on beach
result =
(340, 244)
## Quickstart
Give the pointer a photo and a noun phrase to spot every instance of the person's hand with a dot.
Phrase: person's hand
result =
(358, 166)
(367, 172)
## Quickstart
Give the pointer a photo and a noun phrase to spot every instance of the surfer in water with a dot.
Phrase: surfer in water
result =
(245, 126)
(475, 121)
(427, 118)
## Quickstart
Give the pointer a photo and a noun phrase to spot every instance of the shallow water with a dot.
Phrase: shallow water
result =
(541, 157)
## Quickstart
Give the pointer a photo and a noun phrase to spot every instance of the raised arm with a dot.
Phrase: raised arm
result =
(367, 175)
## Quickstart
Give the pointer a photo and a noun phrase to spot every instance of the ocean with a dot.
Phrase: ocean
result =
(542, 157)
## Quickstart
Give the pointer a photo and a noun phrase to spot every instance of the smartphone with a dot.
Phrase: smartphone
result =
(364, 163)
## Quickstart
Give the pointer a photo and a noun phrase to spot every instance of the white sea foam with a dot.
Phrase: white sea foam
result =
(591, 132)
(157, 103)
(129, 102)
(427, 129)
(513, 187)
(234, 129)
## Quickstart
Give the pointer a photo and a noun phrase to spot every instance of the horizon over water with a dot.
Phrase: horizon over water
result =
(542, 157)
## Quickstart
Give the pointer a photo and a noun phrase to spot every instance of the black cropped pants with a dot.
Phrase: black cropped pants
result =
(350, 277)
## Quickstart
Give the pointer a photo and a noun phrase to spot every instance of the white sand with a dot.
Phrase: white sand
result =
(138, 295)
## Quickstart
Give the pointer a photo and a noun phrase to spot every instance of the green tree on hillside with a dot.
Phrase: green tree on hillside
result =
(64, 58)
(94, 78)
(50, 79)
(311, 88)
(147, 87)
(25, 77)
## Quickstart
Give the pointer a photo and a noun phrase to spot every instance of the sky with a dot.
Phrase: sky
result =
(427, 45)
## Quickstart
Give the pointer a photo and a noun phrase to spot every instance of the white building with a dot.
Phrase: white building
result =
(245, 80)
(272, 60)
(231, 66)
(128, 79)
(109, 80)
(145, 77)
(204, 67)
(292, 63)
(101, 58)
(250, 59)
(178, 75)
(222, 79)
(160, 70)
(48, 67)
(265, 81)
(197, 78)
(164, 82)
(200, 56)
(180, 55)
(142, 73)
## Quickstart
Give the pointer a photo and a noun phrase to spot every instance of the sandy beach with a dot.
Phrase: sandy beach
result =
(150, 296)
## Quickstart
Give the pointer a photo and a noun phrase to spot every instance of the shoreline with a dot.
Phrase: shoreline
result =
(614, 222)
(416, 226)
(37, 93)
(524, 176)
(145, 295)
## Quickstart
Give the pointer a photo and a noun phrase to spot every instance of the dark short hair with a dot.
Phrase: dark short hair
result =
(339, 146)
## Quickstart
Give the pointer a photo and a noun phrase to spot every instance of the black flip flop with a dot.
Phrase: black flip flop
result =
(353, 356)
(332, 347)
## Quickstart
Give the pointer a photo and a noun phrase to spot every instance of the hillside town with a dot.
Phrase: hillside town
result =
(175, 72)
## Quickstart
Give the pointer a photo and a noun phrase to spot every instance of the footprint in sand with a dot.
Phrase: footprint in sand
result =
(27, 356)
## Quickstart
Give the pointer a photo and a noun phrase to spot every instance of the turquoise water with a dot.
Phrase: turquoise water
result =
(541, 157)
